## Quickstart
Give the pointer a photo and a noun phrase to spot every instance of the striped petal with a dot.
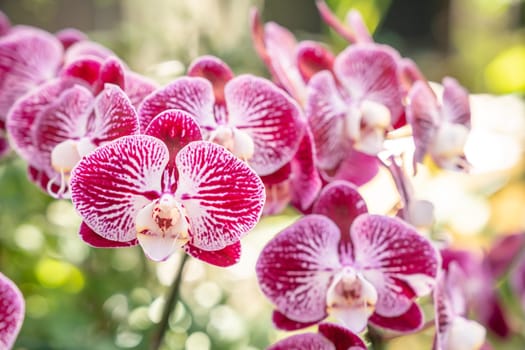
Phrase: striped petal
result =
(28, 57)
(409, 322)
(193, 95)
(369, 72)
(280, 321)
(97, 241)
(110, 185)
(341, 337)
(12, 308)
(325, 111)
(456, 107)
(304, 341)
(312, 58)
(269, 117)
(86, 48)
(222, 196)
(225, 257)
(396, 259)
(296, 267)
(215, 71)
(25, 112)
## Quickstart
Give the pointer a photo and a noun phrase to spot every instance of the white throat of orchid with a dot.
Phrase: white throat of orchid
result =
(234, 140)
(464, 334)
(351, 299)
(64, 157)
(448, 145)
(367, 125)
(162, 227)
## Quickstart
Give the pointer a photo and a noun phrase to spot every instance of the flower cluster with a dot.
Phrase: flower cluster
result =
(194, 165)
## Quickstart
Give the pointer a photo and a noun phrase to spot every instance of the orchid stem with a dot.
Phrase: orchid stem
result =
(169, 306)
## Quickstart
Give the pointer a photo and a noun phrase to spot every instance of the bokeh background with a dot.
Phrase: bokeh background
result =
(81, 298)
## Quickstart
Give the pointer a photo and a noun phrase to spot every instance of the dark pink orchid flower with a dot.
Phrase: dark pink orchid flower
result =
(290, 63)
(344, 262)
(478, 285)
(248, 115)
(440, 129)
(167, 190)
(63, 120)
(329, 337)
(12, 309)
(453, 329)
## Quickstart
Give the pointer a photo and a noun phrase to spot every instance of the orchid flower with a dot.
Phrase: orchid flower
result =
(454, 331)
(12, 308)
(329, 337)
(54, 126)
(165, 191)
(440, 129)
(342, 261)
(248, 115)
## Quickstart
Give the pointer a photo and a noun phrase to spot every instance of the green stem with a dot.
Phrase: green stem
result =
(169, 305)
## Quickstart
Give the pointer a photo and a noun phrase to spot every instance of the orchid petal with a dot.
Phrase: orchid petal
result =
(114, 116)
(70, 36)
(312, 58)
(325, 111)
(503, 252)
(423, 116)
(193, 95)
(296, 267)
(331, 19)
(12, 308)
(357, 167)
(304, 341)
(215, 71)
(357, 23)
(110, 185)
(26, 111)
(4, 144)
(269, 117)
(112, 72)
(517, 281)
(369, 72)
(157, 247)
(396, 259)
(341, 337)
(456, 107)
(28, 57)
(305, 181)
(86, 48)
(86, 68)
(97, 241)
(225, 257)
(137, 87)
(280, 321)
(408, 322)
(222, 196)
(5, 24)
(341, 202)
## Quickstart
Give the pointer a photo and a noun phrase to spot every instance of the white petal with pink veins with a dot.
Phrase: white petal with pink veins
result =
(12, 308)
(111, 185)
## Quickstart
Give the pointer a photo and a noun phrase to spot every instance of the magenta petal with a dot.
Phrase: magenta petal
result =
(409, 322)
(423, 116)
(86, 48)
(331, 19)
(41, 178)
(456, 107)
(305, 181)
(26, 111)
(137, 87)
(225, 257)
(222, 196)
(12, 309)
(312, 58)
(304, 341)
(280, 321)
(271, 118)
(357, 167)
(114, 116)
(325, 111)
(97, 241)
(190, 94)
(110, 185)
(70, 36)
(396, 259)
(4, 144)
(85, 68)
(517, 281)
(215, 71)
(369, 72)
(28, 57)
(341, 202)
(341, 337)
(176, 129)
(112, 72)
(5, 24)
(503, 252)
(296, 267)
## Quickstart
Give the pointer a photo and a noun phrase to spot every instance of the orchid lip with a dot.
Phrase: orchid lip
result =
(237, 141)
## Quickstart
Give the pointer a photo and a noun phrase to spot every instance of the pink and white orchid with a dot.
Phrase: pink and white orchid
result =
(440, 129)
(167, 190)
(329, 337)
(344, 262)
(12, 308)
(248, 115)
